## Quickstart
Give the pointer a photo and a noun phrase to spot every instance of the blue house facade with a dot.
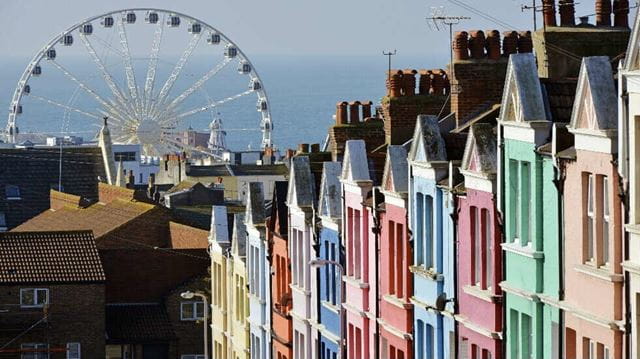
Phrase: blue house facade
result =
(330, 277)
(432, 226)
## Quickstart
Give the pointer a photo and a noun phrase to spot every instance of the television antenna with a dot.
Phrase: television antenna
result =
(438, 18)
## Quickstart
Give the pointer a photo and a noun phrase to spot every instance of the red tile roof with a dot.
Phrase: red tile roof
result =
(46, 257)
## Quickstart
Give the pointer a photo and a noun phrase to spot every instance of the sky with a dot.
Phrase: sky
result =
(279, 27)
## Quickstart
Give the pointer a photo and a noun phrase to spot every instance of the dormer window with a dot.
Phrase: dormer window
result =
(12, 192)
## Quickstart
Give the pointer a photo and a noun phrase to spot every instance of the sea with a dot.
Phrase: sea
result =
(302, 91)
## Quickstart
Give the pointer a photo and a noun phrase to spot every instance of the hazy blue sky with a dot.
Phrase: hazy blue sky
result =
(355, 27)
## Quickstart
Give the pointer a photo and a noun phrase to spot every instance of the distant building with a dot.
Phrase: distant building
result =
(52, 295)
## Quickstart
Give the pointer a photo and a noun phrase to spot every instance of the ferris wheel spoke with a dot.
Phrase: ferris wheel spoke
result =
(177, 69)
(118, 111)
(153, 65)
(188, 92)
(107, 45)
(182, 146)
(128, 66)
(117, 93)
(211, 105)
(66, 107)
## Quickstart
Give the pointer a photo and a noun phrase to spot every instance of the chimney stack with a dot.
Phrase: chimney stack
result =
(549, 12)
(315, 147)
(303, 148)
(567, 13)
(621, 13)
(603, 12)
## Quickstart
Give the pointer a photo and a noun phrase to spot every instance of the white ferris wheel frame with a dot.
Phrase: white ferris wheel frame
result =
(128, 100)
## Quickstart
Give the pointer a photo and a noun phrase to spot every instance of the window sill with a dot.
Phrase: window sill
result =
(330, 306)
(483, 294)
(525, 251)
(600, 273)
(354, 282)
(427, 273)
(392, 299)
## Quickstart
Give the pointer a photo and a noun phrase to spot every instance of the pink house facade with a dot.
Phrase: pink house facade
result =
(396, 285)
(594, 312)
(360, 276)
(479, 253)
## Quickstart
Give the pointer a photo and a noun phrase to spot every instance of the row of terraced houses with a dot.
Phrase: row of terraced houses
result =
(487, 211)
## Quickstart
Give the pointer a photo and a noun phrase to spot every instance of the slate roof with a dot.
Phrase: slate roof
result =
(133, 323)
(255, 204)
(482, 143)
(301, 183)
(219, 231)
(522, 99)
(596, 88)
(428, 143)
(239, 235)
(396, 176)
(355, 166)
(559, 95)
(36, 170)
(49, 257)
(331, 190)
(279, 209)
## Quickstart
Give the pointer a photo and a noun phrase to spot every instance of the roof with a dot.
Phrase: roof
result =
(522, 99)
(595, 106)
(132, 323)
(301, 183)
(219, 231)
(480, 153)
(187, 237)
(49, 257)
(184, 185)
(355, 165)
(239, 236)
(331, 190)
(559, 95)
(279, 209)
(632, 60)
(396, 172)
(255, 204)
(226, 170)
(490, 114)
(36, 170)
(428, 144)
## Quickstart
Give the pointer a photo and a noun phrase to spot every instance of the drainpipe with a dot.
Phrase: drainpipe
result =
(558, 181)
(624, 198)
(376, 232)
(316, 248)
(500, 211)
(454, 217)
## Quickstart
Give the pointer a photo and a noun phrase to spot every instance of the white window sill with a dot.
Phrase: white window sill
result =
(600, 273)
(355, 282)
(428, 273)
(330, 306)
(484, 294)
(526, 251)
(392, 299)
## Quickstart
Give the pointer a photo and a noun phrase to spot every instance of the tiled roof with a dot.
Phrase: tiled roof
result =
(135, 323)
(46, 257)
(559, 98)
(36, 170)
(100, 218)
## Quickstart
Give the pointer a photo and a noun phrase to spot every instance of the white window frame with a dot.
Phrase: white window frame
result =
(34, 355)
(35, 297)
(7, 188)
(591, 219)
(78, 348)
(194, 307)
(606, 222)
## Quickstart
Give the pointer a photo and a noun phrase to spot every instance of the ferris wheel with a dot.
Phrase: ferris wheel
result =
(118, 70)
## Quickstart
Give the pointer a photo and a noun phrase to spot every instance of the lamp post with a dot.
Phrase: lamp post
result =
(190, 295)
(317, 263)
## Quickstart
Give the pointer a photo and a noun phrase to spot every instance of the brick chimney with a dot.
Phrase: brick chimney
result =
(479, 69)
(549, 12)
(408, 96)
(354, 121)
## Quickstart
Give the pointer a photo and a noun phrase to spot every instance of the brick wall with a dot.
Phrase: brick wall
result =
(355, 121)
(76, 315)
(190, 335)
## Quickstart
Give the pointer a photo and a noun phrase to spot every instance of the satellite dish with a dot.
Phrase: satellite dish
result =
(441, 301)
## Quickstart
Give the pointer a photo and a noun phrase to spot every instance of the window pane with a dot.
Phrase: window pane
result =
(200, 309)
(477, 260)
(187, 310)
(41, 296)
(515, 199)
(419, 229)
(428, 229)
(605, 220)
(488, 273)
(27, 297)
(526, 217)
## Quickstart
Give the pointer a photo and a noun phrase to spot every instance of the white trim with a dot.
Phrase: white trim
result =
(479, 182)
(194, 305)
(393, 199)
(530, 132)
(436, 172)
(79, 351)
(594, 142)
(525, 251)
(35, 298)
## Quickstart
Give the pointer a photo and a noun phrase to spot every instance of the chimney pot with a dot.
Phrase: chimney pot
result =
(509, 43)
(492, 44)
(439, 82)
(341, 113)
(354, 112)
(621, 13)
(549, 12)
(394, 83)
(567, 13)
(409, 82)
(425, 82)
(315, 148)
(477, 44)
(525, 43)
(461, 46)
(366, 109)
(603, 12)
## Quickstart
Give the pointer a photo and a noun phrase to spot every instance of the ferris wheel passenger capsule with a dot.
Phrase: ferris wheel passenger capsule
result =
(255, 85)
(262, 105)
(231, 52)
(214, 38)
(194, 28)
(17, 109)
(173, 21)
(26, 89)
(37, 70)
(86, 29)
(244, 68)
(152, 17)
(51, 54)
(67, 40)
(107, 21)
(130, 18)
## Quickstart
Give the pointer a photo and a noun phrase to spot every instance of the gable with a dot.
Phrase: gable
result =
(301, 183)
(428, 144)
(395, 176)
(331, 190)
(632, 58)
(595, 107)
(522, 99)
(480, 153)
(219, 231)
(355, 164)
